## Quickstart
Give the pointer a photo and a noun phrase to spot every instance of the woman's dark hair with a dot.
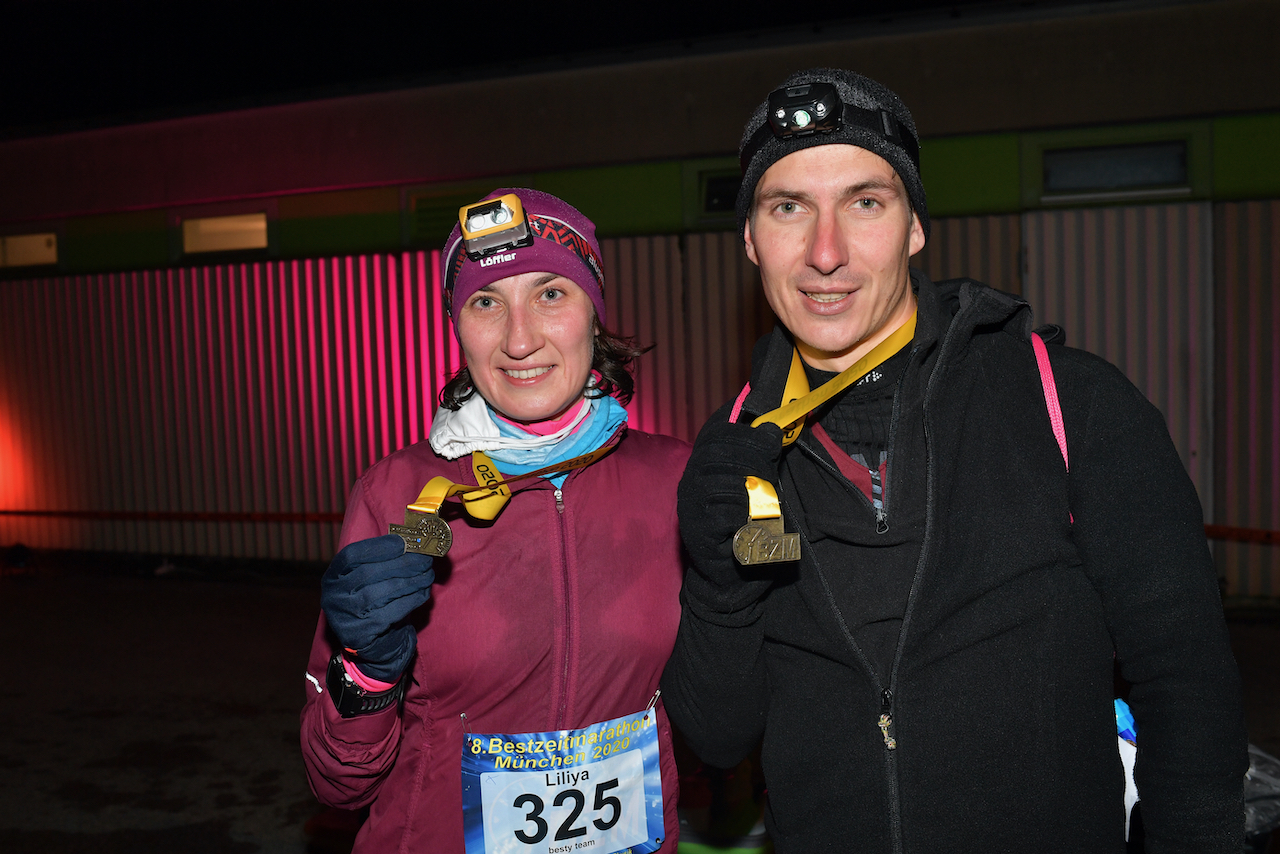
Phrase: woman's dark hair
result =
(611, 358)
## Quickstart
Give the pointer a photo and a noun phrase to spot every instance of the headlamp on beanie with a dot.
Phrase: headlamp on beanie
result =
(802, 110)
(515, 231)
(811, 108)
(492, 225)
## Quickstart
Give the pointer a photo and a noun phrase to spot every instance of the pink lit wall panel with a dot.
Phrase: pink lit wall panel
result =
(219, 410)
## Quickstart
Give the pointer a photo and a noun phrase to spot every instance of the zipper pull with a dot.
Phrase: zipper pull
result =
(882, 522)
(559, 501)
(886, 720)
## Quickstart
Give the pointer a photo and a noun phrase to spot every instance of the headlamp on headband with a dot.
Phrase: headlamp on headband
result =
(492, 225)
(805, 109)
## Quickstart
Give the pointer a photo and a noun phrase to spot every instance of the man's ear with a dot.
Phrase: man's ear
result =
(751, 246)
(916, 240)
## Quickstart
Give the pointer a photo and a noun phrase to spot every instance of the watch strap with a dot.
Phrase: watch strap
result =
(351, 699)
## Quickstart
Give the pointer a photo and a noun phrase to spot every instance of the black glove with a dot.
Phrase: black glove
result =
(712, 504)
(367, 595)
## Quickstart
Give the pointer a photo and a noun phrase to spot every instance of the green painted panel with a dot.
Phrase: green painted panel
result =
(971, 174)
(623, 200)
(339, 235)
(1245, 165)
(115, 242)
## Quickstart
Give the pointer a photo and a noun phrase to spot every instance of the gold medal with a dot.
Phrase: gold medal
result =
(424, 533)
(765, 541)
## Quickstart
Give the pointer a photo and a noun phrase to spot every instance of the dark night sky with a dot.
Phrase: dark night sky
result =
(72, 65)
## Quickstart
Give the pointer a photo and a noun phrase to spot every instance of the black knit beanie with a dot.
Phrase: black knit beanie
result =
(760, 148)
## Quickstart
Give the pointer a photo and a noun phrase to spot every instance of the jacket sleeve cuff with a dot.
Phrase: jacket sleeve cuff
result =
(377, 686)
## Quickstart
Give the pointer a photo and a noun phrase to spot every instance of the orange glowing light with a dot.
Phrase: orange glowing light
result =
(14, 475)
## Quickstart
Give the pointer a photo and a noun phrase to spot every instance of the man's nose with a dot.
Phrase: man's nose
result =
(827, 251)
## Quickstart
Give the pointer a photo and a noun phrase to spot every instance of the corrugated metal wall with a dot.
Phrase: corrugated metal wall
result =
(226, 410)
(1247, 494)
(986, 248)
(727, 313)
(217, 411)
(1135, 286)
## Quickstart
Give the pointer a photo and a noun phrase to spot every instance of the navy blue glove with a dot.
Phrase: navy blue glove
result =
(367, 595)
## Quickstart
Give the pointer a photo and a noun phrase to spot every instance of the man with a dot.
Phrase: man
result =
(929, 657)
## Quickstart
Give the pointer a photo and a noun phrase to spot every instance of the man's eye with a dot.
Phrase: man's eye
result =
(866, 203)
(787, 207)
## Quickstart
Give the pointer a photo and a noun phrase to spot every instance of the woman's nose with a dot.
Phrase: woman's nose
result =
(523, 334)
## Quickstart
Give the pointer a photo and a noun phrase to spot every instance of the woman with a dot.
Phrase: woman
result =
(517, 709)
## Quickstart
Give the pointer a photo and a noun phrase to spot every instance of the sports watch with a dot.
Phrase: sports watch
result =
(350, 699)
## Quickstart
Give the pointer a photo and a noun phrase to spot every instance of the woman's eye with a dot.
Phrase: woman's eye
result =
(552, 293)
(483, 302)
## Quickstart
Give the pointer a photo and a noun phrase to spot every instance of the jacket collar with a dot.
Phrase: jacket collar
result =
(952, 310)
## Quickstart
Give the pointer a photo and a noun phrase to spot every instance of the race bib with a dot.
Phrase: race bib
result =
(597, 789)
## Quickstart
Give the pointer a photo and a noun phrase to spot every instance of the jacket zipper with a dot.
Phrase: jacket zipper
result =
(882, 515)
(886, 719)
(895, 807)
(565, 579)
(568, 611)
(886, 694)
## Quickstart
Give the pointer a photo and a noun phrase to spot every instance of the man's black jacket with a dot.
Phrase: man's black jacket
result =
(1030, 584)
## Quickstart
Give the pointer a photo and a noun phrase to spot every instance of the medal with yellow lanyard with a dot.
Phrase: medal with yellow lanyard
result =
(488, 227)
(764, 539)
(425, 532)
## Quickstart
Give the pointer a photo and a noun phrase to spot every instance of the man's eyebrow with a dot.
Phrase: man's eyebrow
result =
(876, 185)
(775, 193)
(879, 185)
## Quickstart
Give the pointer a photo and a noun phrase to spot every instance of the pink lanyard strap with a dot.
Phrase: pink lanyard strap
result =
(1051, 400)
(1051, 395)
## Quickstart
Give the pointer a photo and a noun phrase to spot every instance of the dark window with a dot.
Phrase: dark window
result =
(1116, 168)
(720, 193)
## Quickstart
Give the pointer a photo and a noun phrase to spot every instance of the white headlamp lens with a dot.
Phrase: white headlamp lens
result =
(489, 219)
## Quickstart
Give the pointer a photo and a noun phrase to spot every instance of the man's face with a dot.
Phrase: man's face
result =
(832, 232)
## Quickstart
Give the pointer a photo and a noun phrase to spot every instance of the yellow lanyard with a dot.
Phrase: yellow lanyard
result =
(798, 402)
(486, 500)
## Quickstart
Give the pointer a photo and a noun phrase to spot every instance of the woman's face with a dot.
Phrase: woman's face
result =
(528, 342)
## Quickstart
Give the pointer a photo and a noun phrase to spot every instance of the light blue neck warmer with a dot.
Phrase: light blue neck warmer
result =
(606, 416)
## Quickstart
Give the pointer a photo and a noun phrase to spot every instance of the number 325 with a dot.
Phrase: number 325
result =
(566, 829)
